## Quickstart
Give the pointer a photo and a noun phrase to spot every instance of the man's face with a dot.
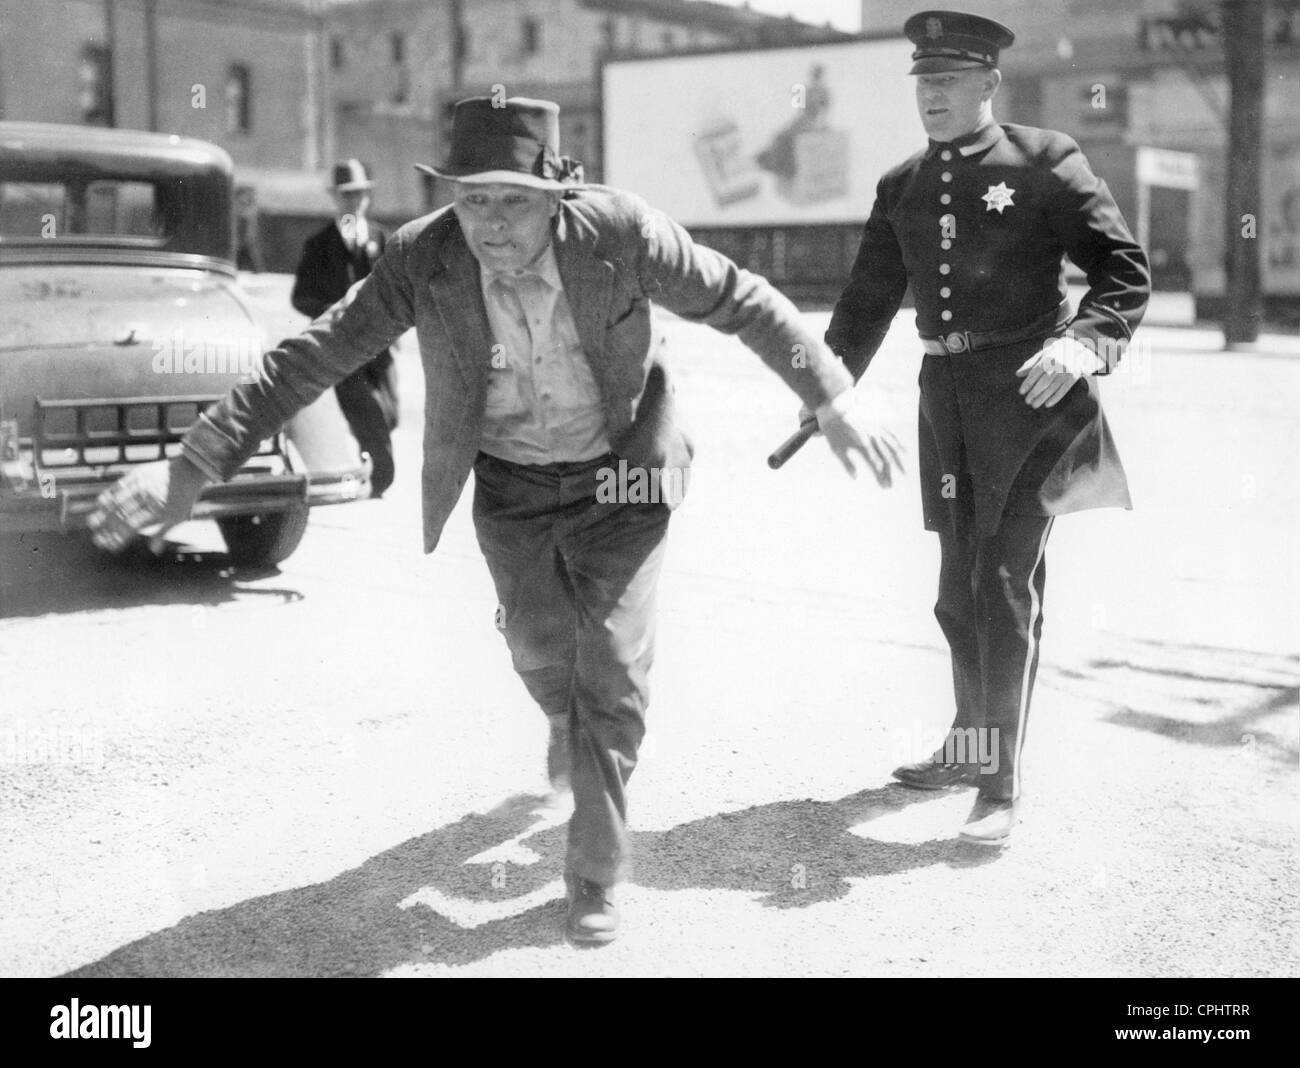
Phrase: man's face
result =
(354, 202)
(507, 226)
(951, 102)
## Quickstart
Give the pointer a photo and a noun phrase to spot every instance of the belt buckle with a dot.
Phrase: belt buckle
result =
(956, 342)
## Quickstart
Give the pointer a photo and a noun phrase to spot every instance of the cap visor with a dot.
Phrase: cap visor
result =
(939, 64)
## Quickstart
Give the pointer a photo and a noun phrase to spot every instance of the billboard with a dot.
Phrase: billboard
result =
(782, 136)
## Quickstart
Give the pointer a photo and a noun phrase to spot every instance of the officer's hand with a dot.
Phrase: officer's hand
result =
(148, 499)
(858, 429)
(1052, 372)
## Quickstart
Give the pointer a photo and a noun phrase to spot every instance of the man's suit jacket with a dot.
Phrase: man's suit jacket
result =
(615, 255)
(326, 270)
(980, 238)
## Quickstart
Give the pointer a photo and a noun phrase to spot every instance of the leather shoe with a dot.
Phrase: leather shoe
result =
(991, 821)
(933, 775)
(592, 918)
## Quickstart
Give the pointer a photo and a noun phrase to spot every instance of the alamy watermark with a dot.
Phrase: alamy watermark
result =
(179, 354)
(978, 746)
(24, 744)
(640, 485)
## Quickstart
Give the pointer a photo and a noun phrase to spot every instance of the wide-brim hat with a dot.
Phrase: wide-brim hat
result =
(955, 40)
(351, 175)
(514, 141)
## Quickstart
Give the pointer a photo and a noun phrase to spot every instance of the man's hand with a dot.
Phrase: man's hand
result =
(150, 498)
(1052, 372)
(856, 428)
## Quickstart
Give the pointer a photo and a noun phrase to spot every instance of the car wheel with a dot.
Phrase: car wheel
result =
(265, 539)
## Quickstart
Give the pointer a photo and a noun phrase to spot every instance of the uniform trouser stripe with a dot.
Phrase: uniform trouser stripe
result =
(1033, 632)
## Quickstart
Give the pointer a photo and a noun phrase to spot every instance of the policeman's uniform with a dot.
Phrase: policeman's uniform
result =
(978, 227)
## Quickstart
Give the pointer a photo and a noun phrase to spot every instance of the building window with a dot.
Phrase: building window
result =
(337, 58)
(532, 32)
(95, 85)
(397, 43)
(239, 102)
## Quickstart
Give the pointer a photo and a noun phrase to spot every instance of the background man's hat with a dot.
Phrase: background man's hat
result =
(351, 174)
(516, 141)
(954, 40)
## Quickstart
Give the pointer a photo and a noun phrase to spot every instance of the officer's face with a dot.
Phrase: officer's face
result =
(952, 103)
(507, 226)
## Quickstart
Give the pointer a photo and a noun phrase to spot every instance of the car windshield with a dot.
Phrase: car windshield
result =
(75, 207)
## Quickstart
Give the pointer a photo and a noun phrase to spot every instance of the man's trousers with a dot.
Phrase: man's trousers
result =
(576, 579)
(990, 608)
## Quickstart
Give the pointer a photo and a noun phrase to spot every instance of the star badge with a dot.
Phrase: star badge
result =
(998, 198)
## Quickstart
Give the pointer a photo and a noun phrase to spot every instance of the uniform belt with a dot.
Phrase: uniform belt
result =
(974, 340)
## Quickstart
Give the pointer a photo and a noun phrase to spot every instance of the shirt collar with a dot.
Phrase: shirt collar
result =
(544, 267)
(968, 144)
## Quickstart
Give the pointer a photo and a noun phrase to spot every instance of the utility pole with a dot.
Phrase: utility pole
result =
(1243, 47)
(151, 61)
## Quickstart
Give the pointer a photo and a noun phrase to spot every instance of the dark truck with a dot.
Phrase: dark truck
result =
(121, 318)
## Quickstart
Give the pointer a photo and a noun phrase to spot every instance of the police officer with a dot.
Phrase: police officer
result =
(1012, 431)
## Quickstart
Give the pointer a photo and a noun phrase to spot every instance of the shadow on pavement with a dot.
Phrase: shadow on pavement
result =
(1203, 695)
(397, 908)
(42, 574)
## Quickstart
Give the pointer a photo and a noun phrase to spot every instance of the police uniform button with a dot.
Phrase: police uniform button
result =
(946, 176)
(945, 292)
(945, 315)
(944, 268)
(946, 198)
(946, 156)
(945, 244)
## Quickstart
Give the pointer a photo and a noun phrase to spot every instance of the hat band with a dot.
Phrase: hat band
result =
(504, 152)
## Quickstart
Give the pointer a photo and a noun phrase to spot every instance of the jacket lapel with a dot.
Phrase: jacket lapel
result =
(459, 299)
(588, 283)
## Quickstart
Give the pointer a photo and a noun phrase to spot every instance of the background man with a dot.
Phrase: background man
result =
(333, 259)
(531, 300)
(1011, 427)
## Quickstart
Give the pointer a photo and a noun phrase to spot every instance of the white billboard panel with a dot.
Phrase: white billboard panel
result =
(760, 138)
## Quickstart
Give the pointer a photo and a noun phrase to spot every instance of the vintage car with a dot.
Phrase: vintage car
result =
(122, 319)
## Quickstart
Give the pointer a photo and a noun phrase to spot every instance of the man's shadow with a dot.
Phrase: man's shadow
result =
(491, 881)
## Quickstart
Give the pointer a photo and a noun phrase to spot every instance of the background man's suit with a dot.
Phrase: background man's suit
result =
(368, 396)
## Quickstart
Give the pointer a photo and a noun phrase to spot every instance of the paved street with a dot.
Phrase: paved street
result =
(332, 770)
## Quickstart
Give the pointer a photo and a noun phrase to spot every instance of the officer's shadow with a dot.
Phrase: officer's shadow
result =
(493, 881)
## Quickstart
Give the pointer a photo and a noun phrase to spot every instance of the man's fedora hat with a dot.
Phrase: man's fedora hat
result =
(351, 174)
(954, 40)
(516, 141)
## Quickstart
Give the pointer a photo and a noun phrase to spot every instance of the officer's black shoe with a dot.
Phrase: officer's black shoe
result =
(592, 918)
(934, 775)
(991, 821)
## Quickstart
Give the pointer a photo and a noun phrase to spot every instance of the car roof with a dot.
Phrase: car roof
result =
(120, 152)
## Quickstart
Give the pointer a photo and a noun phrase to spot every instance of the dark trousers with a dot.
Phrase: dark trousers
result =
(990, 608)
(576, 579)
(368, 399)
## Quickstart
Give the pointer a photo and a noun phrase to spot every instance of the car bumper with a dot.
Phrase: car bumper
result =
(62, 505)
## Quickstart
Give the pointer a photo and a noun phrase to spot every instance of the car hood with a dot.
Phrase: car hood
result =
(58, 307)
(107, 332)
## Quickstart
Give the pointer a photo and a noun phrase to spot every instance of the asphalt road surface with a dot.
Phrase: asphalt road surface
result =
(332, 770)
